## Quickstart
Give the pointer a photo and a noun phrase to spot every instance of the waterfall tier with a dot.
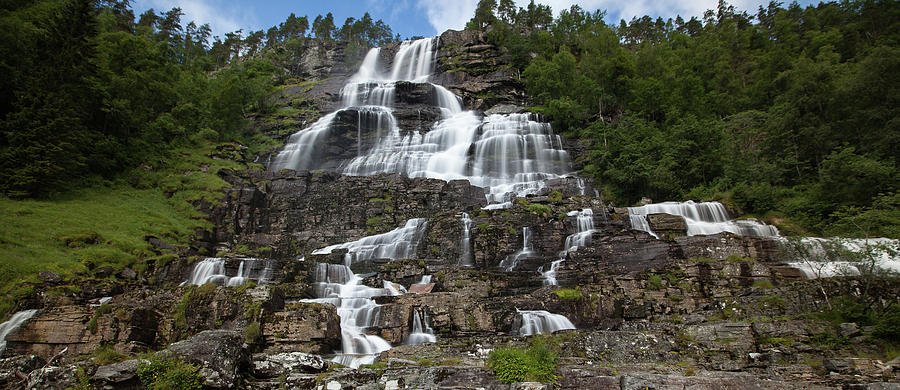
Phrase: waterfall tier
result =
(702, 218)
(12, 324)
(212, 270)
(542, 322)
(584, 229)
(508, 155)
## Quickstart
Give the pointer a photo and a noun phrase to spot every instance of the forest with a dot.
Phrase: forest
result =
(788, 114)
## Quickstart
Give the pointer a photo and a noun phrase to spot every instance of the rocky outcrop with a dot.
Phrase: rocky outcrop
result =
(478, 71)
(303, 327)
(297, 212)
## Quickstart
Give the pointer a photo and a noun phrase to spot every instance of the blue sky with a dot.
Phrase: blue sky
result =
(408, 17)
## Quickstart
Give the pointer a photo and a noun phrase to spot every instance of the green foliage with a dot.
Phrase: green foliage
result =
(654, 282)
(536, 363)
(539, 209)
(555, 196)
(569, 294)
(252, 332)
(887, 326)
(107, 354)
(168, 373)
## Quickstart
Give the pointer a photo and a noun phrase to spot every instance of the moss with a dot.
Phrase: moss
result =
(539, 209)
(252, 332)
(555, 196)
(762, 283)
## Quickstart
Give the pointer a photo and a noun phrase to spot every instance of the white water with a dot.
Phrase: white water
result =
(542, 322)
(212, 270)
(513, 155)
(421, 331)
(824, 256)
(399, 243)
(702, 218)
(465, 256)
(337, 285)
(584, 230)
(14, 322)
(511, 261)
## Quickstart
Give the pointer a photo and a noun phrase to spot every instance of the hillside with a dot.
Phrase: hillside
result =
(444, 212)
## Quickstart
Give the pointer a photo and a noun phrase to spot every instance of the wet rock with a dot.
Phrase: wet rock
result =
(13, 368)
(220, 354)
(668, 225)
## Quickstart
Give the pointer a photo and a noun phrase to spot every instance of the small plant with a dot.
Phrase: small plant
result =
(762, 283)
(654, 282)
(252, 332)
(555, 196)
(168, 373)
(539, 209)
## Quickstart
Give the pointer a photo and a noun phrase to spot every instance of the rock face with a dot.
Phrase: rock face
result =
(303, 327)
(297, 212)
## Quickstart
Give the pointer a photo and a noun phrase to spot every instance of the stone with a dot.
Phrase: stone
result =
(220, 354)
(421, 288)
(12, 367)
(848, 329)
(122, 375)
(275, 365)
(50, 276)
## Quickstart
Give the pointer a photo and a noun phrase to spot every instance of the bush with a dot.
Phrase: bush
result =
(568, 294)
(169, 373)
(536, 363)
(888, 325)
(539, 209)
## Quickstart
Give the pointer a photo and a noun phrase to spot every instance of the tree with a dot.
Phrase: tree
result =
(484, 15)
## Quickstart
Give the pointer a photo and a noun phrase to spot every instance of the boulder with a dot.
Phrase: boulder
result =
(667, 223)
(304, 327)
(220, 354)
(122, 375)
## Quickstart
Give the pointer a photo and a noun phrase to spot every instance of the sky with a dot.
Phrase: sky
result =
(409, 17)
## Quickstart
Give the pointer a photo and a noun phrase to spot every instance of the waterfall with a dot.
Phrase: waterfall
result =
(336, 284)
(584, 225)
(399, 243)
(12, 324)
(421, 331)
(829, 257)
(465, 256)
(212, 270)
(542, 322)
(702, 218)
(511, 261)
(508, 155)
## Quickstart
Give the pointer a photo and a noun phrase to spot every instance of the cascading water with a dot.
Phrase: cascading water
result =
(702, 218)
(542, 322)
(421, 331)
(14, 322)
(584, 223)
(465, 256)
(511, 261)
(508, 155)
(829, 257)
(339, 286)
(212, 270)
(399, 243)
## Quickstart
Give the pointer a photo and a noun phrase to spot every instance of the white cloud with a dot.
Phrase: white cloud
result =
(446, 14)
(222, 16)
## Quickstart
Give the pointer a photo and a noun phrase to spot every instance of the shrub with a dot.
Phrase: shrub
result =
(252, 332)
(888, 325)
(536, 363)
(539, 209)
(555, 196)
(568, 294)
(654, 282)
(168, 373)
